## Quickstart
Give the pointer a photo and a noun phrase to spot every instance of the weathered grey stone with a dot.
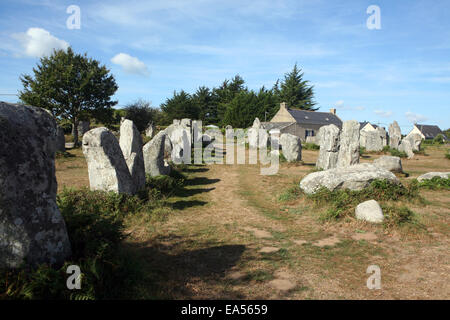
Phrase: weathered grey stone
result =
(196, 131)
(369, 211)
(256, 123)
(83, 127)
(252, 134)
(374, 141)
(131, 144)
(356, 177)
(176, 121)
(329, 147)
(349, 144)
(415, 140)
(395, 135)
(431, 175)
(263, 138)
(154, 156)
(406, 147)
(383, 135)
(390, 163)
(180, 138)
(150, 131)
(291, 146)
(60, 140)
(229, 133)
(107, 168)
(32, 230)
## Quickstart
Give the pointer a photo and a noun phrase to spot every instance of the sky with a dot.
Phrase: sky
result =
(397, 71)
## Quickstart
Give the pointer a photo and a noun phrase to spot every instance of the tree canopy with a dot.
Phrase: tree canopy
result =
(72, 86)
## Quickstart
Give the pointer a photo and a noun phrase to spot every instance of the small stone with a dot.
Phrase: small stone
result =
(369, 211)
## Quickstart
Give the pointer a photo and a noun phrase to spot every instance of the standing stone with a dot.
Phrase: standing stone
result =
(131, 144)
(60, 140)
(150, 131)
(107, 168)
(83, 127)
(256, 123)
(154, 156)
(229, 133)
(291, 146)
(415, 140)
(406, 147)
(383, 135)
(374, 141)
(32, 230)
(196, 131)
(349, 144)
(329, 147)
(252, 134)
(431, 175)
(395, 135)
(263, 138)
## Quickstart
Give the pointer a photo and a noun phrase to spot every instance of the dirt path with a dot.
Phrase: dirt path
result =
(229, 237)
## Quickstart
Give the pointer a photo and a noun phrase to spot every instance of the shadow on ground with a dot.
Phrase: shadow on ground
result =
(173, 271)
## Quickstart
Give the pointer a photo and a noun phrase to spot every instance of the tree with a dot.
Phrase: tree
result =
(72, 86)
(241, 111)
(295, 91)
(180, 106)
(226, 93)
(206, 102)
(141, 113)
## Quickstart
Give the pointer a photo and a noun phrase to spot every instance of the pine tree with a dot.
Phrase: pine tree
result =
(295, 91)
(180, 106)
(206, 102)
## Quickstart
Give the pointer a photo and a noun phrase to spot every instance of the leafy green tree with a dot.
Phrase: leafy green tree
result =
(180, 106)
(295, 91)
(72, 86)
(241, 110)
(226, 93)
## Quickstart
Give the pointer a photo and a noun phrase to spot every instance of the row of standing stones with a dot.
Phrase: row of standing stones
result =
(32, 229)
(339, 160)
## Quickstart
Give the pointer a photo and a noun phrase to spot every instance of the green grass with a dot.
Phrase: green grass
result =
(435, 183)
(310, 146)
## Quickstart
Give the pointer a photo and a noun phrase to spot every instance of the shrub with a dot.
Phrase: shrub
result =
(435, 183)
(447, 155)
(362, 150)
(397, 153)
(399, 216)
(439, 139)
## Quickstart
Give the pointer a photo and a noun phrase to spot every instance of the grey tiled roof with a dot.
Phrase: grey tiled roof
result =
(429, 131)
(276, 125)
(314, 117)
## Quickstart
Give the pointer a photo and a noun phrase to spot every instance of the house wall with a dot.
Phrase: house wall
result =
(300, 130)
(282, 116)
(416, 130)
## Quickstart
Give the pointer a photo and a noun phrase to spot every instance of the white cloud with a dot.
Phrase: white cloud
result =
(341, 106)
(415, 117)
(130, 64)
(39, 42)
(384, 114)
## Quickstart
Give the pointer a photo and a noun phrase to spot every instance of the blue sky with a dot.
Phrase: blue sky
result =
(399, 72)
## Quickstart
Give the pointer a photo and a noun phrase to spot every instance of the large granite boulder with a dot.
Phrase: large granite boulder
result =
(107, 168)
(131, 144)
(383, 135)
(349, 144)
(355, 177)
(329, 147)
(154, 156)
(395, 135)
(32, 230)
(369, 211)
(291, 146)
(406, 147)
(431, 175)
(390, 163)
(256, 123)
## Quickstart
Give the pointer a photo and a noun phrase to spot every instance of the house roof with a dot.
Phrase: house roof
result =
(314, 117)
(275, 125)
(429, 131)
(364, 123)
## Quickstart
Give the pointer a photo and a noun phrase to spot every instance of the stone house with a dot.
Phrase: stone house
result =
(301, 123)
(427, 132)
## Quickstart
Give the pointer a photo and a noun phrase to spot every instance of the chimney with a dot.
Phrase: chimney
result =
(333, 111)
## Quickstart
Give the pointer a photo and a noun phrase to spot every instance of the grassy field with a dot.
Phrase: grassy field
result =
(235, 234)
